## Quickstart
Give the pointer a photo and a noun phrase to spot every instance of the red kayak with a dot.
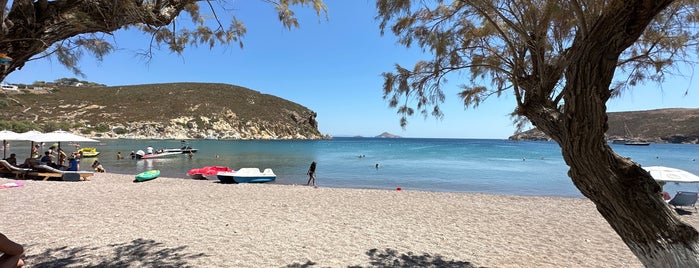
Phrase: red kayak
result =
(200, 173)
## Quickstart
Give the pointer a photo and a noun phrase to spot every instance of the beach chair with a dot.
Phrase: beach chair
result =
(46, 172)
(19, 173)
(685, 199)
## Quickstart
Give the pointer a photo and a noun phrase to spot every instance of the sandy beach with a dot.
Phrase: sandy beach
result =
(110, 221)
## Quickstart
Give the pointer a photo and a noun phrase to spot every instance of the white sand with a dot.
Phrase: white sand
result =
(112, 221)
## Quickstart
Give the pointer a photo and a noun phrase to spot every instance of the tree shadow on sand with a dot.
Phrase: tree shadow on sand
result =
(392, 258)
(137, 253)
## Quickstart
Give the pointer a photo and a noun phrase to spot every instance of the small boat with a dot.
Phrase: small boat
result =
(147, 175)
(634, 141)
(201, 173)
(89, 151)
(159, 155)
(247, 175)
(637, 143)
(183, 150)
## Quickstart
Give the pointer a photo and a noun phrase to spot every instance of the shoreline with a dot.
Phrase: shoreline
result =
(112, 221)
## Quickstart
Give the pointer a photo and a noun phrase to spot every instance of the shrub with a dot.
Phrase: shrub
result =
(102, 128)
(119, 131)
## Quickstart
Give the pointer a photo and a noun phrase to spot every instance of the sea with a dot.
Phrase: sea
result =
(492, 166)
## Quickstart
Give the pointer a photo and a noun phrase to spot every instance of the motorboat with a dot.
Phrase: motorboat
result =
(637, 143)
(185, 149)
(202, 173)
(244, 175)
(159, 154)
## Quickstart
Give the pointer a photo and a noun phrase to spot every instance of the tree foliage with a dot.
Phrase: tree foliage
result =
(522, 47)
(562, 60)
(70, 29)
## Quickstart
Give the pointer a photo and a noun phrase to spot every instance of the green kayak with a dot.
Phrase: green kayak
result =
(147, 175)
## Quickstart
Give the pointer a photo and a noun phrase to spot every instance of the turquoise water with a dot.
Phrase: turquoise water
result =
(450, 165)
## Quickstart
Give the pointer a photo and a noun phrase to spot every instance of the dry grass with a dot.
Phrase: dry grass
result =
(93, 106)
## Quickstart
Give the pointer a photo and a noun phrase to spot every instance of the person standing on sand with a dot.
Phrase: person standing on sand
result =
(11, 253)
(61, 157)
(312, 174)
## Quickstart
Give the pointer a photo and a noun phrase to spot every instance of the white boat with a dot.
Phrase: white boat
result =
(637, 143)
(159, 155)
(246, 175)
(633, 140)
(141, 155)
(185, 149)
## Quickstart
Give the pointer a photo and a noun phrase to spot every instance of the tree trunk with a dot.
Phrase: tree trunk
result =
(631, 202)
(624, 193)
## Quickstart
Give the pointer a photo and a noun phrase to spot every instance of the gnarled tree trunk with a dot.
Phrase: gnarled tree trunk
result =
(626, 196)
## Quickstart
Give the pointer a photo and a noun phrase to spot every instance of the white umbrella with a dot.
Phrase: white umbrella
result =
(668, 174)
(59, 136)
(25, 136)
(7, 135)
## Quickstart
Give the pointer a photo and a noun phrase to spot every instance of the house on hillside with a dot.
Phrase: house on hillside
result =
(9, 87)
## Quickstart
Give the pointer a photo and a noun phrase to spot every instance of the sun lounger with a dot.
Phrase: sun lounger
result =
(684, 199)
(46, 172)
(17, 171)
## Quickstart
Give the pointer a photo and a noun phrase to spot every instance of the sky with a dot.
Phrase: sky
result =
(332, 67)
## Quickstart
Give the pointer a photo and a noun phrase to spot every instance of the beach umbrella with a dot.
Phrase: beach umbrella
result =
(7, 135)
(59, 136)
(25, 137)
(668, 174)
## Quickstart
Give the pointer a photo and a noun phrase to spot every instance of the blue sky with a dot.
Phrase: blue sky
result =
(331, 66)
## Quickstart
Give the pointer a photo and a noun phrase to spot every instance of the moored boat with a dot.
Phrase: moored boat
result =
(141, 155)
(159, 155)
(637, 143)
(244, 175)
(183, 150)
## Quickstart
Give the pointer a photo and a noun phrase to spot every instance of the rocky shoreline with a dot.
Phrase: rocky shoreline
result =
(214, 128)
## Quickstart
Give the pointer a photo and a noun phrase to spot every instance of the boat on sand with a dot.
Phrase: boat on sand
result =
(147, 175)
(244, 175)
(202, 173)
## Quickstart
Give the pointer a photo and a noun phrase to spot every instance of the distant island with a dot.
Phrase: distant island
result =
(387, 135)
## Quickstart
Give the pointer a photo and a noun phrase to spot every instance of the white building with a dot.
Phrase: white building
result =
(9, 87)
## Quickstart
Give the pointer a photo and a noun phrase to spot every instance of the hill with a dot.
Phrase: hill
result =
(175, 110)
(677, 125)
(387, 135)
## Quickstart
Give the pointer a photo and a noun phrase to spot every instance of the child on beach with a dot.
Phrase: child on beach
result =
(312, 174)
(97, 166)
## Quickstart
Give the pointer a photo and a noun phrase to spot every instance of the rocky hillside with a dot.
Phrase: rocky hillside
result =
(662, 126)
(176, 111)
